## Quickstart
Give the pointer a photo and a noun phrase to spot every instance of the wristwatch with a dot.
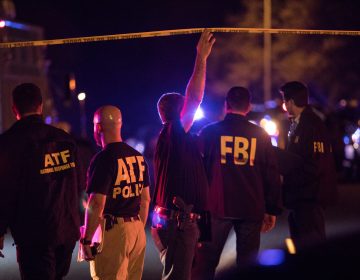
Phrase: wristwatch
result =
(84, 241)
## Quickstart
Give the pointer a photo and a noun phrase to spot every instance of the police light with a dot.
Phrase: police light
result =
(2, 23)
(199, 114)
(81, 96)
(269, 126)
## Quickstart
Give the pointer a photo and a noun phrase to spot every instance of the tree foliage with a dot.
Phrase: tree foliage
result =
(325, 63)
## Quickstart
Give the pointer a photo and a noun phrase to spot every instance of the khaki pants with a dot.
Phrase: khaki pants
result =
(123, 253)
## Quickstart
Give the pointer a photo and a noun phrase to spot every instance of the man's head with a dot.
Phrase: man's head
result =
(107, 125)
(295, 94)
(170, 106)
(27, 100)
(238, 100)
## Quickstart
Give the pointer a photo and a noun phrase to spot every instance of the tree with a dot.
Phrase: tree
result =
(313, 59)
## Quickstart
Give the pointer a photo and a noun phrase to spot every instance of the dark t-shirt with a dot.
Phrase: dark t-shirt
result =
(242, 170)
(179, 170)
(119, 172)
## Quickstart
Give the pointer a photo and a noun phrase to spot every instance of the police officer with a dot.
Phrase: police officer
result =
(39, 199)
(179, 173)
(244, 185)
(118, 189)
(309, 189)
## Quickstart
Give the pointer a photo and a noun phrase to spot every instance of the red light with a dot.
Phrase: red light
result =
(2, 23)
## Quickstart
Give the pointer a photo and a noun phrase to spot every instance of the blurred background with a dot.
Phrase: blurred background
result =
(132, 74)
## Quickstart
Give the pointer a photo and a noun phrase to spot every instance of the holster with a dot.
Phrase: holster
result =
(110, 221)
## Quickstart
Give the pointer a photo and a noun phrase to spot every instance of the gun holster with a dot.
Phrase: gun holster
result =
(110, 221)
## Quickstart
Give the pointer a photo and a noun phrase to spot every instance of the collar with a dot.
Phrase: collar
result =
(232, 116)
(36, 118)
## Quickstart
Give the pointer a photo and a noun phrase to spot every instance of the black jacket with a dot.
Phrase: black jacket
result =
(242, 170)
(315, 180)
(39, 184)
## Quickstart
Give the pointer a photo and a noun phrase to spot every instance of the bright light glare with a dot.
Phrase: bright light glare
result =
(356, 136)
(270, 127)
(199, 114)
(284, 107)
(2, 23)
(81, 96)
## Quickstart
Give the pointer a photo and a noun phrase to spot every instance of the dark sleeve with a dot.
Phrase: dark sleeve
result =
(272, 183)
(100, 174)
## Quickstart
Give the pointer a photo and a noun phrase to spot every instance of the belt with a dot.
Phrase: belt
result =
(171, 214)
(124, 219)
(129, 219)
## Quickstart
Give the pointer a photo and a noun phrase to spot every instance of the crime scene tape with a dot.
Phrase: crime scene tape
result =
(174, 32)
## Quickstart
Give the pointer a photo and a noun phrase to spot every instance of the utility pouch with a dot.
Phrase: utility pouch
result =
(110, 221)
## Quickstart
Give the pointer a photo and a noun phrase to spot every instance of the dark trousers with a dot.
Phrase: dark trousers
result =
(247, 246)
(43, 262)
(307, 225)
(177, 248)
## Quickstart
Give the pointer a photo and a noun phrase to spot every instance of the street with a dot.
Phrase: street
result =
(342, 219)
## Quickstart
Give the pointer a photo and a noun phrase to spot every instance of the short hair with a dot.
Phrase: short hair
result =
(296, 91)
(170, 106)
(26, 98)
(238, 98)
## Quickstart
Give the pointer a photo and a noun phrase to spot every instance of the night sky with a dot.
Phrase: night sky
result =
(132, 74)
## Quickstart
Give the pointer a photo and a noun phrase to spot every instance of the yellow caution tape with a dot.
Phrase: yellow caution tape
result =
(175, 32)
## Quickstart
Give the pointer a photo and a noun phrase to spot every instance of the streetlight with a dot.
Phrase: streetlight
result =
(81, 97)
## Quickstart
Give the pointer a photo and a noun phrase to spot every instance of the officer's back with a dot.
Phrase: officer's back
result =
(39, 201)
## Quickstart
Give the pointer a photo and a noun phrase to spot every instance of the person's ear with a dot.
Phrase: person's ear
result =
(16, 112)
(98, 128)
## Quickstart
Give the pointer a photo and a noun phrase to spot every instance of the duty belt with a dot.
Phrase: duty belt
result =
(172, 214)
(112, 220)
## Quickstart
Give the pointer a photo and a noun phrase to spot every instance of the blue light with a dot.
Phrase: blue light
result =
(48, 120)
(16, 25)
(271, 257)
(157, 220)
(346, 140)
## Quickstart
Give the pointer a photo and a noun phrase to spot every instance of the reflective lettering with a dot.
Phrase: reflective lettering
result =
(56, 157)
(240, 148)
(48, 160)
(122, 174)
(126, 191)
(140, 160)
(116, 191)
(65, 155)
(252, 151)
(130, 161)
(224, 149)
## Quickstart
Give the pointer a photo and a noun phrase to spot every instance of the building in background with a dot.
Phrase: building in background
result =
(19, 65)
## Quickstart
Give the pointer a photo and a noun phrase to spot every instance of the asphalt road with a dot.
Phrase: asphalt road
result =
(341, 219)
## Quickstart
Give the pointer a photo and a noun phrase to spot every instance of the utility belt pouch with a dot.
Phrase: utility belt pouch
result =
(110, 221)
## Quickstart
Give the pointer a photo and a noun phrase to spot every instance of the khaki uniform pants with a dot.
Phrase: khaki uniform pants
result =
(123, 253)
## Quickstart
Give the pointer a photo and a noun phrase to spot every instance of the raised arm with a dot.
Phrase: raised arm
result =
(196, 86)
